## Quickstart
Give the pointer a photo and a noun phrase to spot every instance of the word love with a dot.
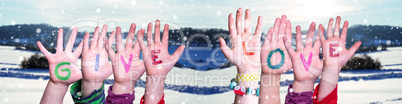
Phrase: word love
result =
(97, 62)
(56, 71)
(154, 56)
(126, 65)
(333, 47)
(245, 50)
(280, 64)
(306, 64)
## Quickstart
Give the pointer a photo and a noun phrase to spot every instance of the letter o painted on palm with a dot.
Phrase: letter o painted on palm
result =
(280, 64)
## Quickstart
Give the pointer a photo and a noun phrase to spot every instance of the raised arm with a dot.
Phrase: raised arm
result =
(63, 68)
(307, 66)
(244, 53)
(275, 60)
(127, 67)
(158, 62)
(335, 56)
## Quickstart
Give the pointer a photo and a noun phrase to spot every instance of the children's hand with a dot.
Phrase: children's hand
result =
(334, 51)
(335, 55)
(127, 67)
(95, 63)
(307, 66)
(245, 49)
(63, 68)
(157, 59)
(274, 56)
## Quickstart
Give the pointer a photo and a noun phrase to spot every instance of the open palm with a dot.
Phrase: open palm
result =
(94, 71)
(125, 72)
(63, 66)
(245, 49)
(157, 59)
(307, 66)
(279, 61)
(339, 55)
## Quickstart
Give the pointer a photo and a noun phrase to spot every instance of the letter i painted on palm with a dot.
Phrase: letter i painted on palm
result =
(306, 64)
(126, 65)
(97, 62)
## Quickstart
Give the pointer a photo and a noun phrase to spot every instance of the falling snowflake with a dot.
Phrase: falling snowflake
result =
(12, 22)
(133, 2)
(38, 30)
(218, 13)
(98, 10)
(160, 2)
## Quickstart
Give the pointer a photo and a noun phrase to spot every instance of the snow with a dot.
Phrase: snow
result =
(383, 87)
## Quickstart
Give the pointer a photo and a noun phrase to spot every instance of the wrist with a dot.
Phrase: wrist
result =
(58, 84)
(87, 87)
(121, 88)
(270, 80)
(330, 75)
(303, 86)
(248, 70)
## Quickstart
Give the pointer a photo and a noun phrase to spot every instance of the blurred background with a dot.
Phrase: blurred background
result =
(202, 74)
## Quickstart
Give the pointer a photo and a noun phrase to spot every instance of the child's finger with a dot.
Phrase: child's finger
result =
(78, 50)
(224, 48)
(102, 35)
(337, 26)
(282, 27)
(165, 37)
(86, 39)
(353, 49)
(178, 52)
(157, 33)
(258, 29)
(247, 22)
(299, 42)
(43, 49)
(329, 28)
(289, 47)
(140, 36)
(344, 33)
(239, 20)
(119, 43)
(288, 32)
(310, 35)
(232, 27)
(130, 36)
(70, 43)
(321, 33)
(149, 35)
(59, 47)
(95, 38)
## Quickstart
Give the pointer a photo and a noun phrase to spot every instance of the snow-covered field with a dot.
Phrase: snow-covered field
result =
(355, 87)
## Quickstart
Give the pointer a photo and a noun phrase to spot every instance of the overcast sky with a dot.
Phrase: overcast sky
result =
(196, 13)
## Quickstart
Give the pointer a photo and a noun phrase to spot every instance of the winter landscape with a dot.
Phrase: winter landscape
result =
(202, 74)
(194, 87)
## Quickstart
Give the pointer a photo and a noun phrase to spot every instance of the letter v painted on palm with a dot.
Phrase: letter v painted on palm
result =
(126, 65)
(306, 64)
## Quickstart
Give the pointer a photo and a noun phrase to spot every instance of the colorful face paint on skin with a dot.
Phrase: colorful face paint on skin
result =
(126, 65)
(245, 50)
(332, 49)
(306, 64)
(56, 71)
(154, 57)
(280, 64)
(97, 62)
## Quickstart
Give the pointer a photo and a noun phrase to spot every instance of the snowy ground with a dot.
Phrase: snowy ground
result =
(382, 86)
